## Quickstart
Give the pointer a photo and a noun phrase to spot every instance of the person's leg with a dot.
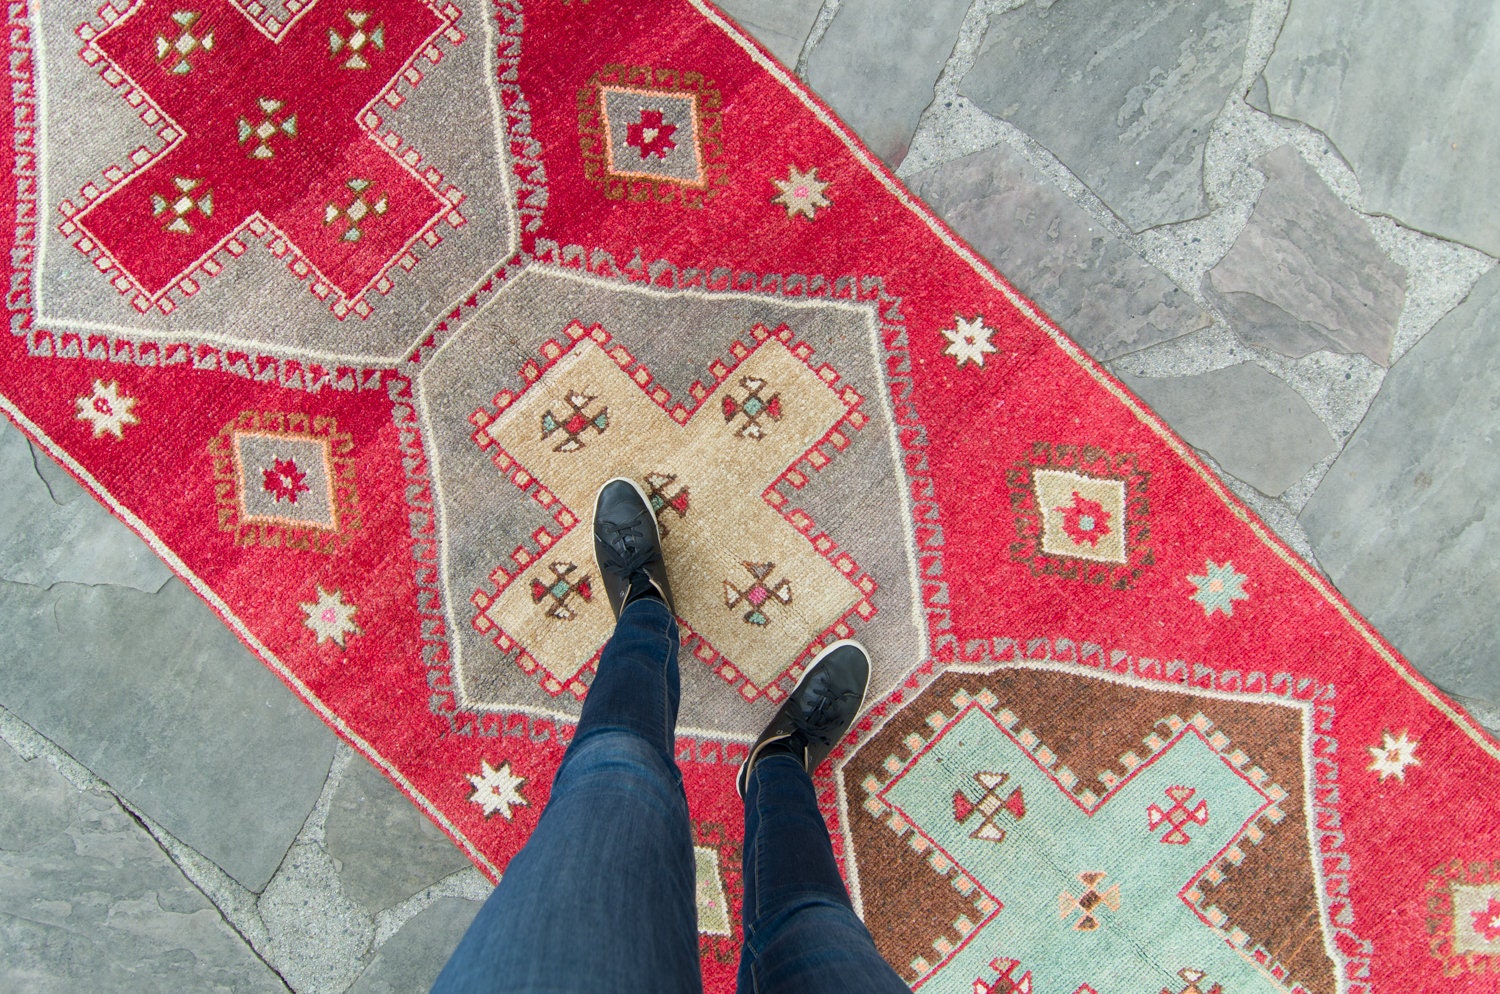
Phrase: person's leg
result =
(603, 896)
(801, 932)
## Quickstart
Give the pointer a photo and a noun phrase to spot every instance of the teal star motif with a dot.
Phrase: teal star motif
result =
(1219, 588)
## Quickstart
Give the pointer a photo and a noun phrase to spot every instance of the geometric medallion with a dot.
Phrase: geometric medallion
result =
(1102, 834)
(285, 479)
(245, 148)
(769, 588)
(1081, 513)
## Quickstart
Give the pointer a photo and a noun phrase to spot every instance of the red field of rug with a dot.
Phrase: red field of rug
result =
(349, 309)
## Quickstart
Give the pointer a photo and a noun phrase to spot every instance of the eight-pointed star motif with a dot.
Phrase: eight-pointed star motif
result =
(801, 193)
(969, 340)
(1393, 756)
(1218, 588)
(107, 409)
(497, 791)
(330, 617)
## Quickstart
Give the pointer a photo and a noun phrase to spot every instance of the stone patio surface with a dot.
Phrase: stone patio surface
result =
(1284, 246)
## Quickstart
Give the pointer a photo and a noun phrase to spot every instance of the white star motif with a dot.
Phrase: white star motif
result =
(107, 409)
(969, 340)
(802, 193)
(497, 790)
(1393, 756)
(330, 617)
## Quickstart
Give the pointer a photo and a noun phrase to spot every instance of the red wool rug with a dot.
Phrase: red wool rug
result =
(348, 309)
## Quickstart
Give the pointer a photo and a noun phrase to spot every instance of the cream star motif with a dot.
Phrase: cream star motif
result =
(969, 340)
(1393, 756)
(330, 617)
(107, 409)
(497, 791)
(802, 193)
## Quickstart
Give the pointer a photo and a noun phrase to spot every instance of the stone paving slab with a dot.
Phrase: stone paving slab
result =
(1305, 273)
(52, 530)
(412, 958)
(780, 25)
(153, 694)
(1407, 90)
(1404, 522)
(877, 63)
(1109, 300)
(387, 850)
(91, 903)
(1123, 93)
(1255, 426)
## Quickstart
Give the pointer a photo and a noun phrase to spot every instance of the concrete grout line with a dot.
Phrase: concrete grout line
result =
(468, 884)
(826, 14)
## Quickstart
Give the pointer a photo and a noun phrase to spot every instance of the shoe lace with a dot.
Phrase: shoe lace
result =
(825, 715)
(627, 549)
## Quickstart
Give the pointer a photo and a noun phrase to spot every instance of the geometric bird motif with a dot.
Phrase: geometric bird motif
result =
(206, 90)
(751, 407)
(746, 630)
(990, 806)
(1006, 981)
(574, 422)
(180, 205)
(356, 40)
(1090, 901)
(1178, 816)
(560, 589)
(269, 127)
(762, 592)
(174, 54)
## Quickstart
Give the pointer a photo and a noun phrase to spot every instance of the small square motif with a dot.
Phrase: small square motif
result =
(1476, 919)
(284, 478)
(651, 134)
(1082, 516)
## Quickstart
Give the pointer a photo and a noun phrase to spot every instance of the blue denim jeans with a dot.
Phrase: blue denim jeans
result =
(603, 895)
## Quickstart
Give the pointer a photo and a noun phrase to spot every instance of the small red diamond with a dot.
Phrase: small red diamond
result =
(576, 424)
(586, 591)
(774, 407)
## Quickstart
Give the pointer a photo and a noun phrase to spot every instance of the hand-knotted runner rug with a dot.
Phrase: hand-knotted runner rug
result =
(349, 306)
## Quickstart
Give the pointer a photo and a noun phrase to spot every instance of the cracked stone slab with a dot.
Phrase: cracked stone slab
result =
(52, 531)
(154, 695)
(1405, 522)
(877, 65)
(387, 850)
(1255, 426)
(91, 903)
(1107, 298)
(780, 25)
(1123, 94)
(411, 959)
(1407, 92)
(1305, 273)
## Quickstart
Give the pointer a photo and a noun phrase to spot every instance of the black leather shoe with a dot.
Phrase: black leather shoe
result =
(819, 711)
(627, 546)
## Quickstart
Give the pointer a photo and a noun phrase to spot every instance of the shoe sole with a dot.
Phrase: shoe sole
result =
(858, 710)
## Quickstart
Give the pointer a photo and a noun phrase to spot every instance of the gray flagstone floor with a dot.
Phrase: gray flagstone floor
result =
(1284, 246)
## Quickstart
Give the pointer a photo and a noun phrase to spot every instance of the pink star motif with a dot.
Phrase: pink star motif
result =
(652, 135)
(284, 481)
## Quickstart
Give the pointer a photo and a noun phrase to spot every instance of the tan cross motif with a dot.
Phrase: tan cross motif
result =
(730, 477)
